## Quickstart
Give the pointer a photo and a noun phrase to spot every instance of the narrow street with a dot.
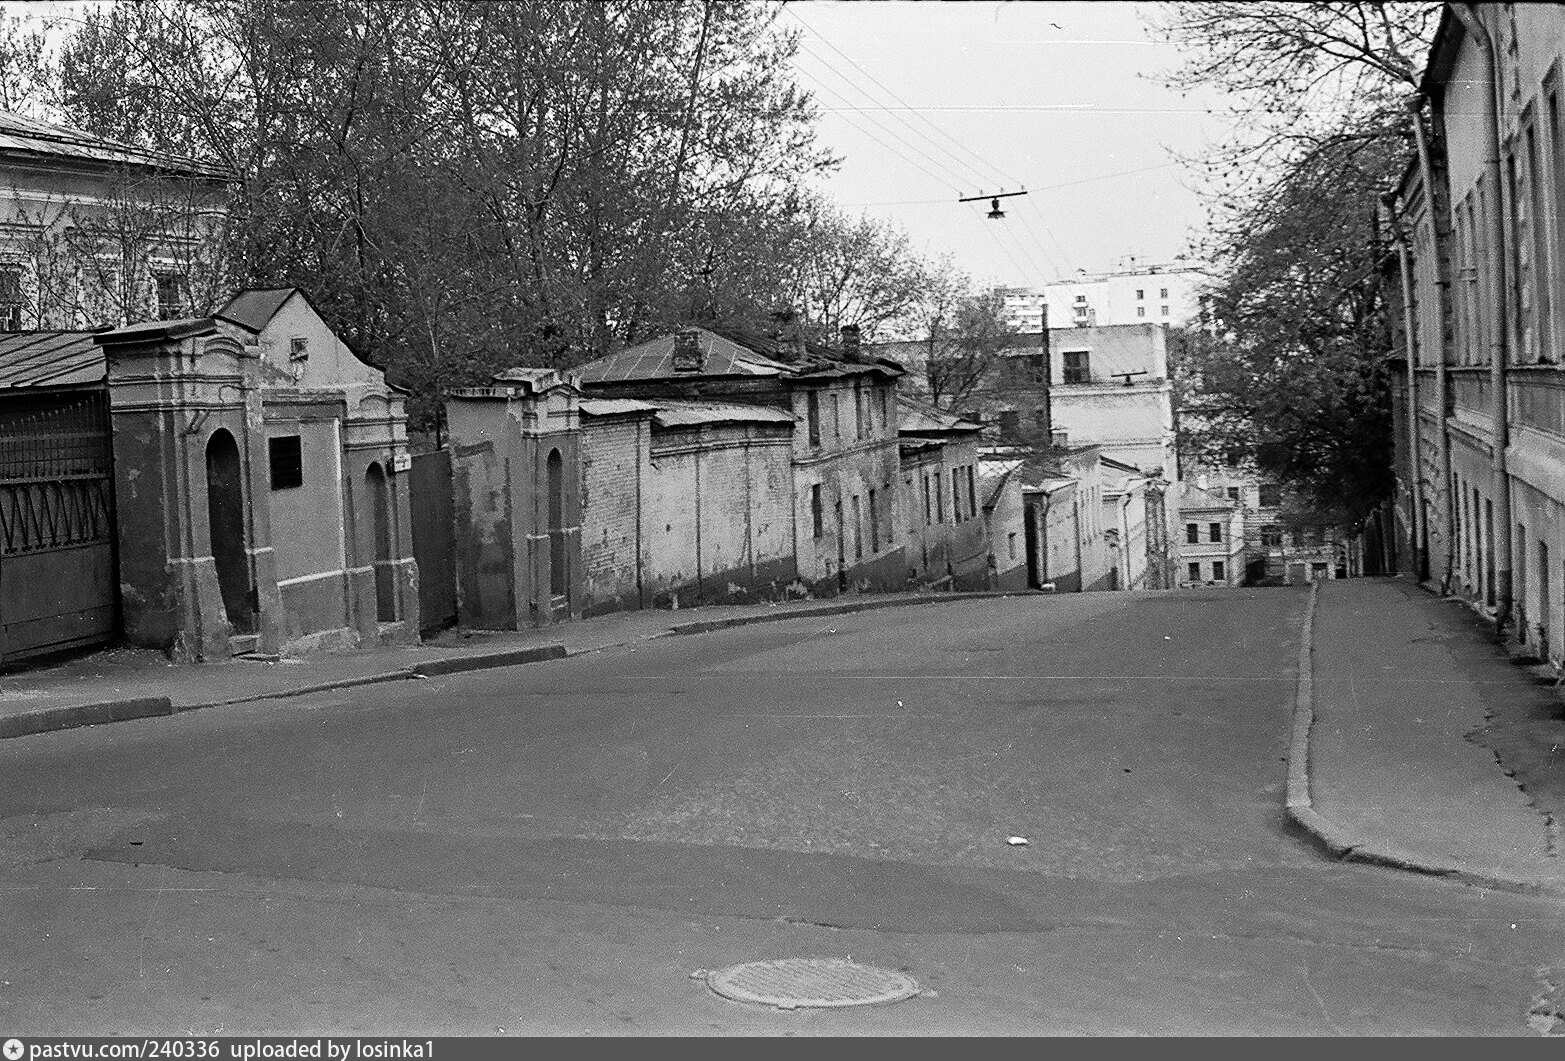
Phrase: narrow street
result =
(557, 848)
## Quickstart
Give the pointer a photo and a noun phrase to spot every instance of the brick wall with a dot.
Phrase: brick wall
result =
(613, 473)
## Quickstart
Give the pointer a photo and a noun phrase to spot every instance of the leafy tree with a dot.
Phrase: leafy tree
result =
(1286, 375)
(967, 338)
(462, 185)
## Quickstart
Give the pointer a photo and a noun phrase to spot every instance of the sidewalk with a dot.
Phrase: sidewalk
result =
(120, 684)
(1383, 768)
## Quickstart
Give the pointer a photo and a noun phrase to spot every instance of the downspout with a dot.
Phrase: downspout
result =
(1414, 458)
(1442, 234)
(1499, 327)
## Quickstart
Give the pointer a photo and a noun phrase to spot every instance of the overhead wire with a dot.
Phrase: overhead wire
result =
(916, 110)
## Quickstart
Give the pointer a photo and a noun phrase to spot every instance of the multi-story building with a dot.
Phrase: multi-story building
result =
(95, 234)
(1480, 253)
(1212, 546)
(1136, 294)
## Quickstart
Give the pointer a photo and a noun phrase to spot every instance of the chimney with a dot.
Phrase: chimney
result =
(850, 342)
(687, 351)
(788, 333)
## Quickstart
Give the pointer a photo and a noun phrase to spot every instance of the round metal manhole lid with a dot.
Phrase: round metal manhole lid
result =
(816, 983)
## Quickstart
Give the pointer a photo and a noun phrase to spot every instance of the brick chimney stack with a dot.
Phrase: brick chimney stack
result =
(850, 342)
(687, 351)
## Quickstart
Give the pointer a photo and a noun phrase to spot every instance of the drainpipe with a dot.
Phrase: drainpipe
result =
(1415, 462)
(1500, 301)
(1442, 233)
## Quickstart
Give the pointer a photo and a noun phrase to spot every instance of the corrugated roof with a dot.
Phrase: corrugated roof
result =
(614, 406)
(44, 138)
(694, 414)
(654, 359)
(254, 308)
(49, 359)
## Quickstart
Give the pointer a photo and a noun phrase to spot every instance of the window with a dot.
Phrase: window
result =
(858, 410)
(1010, 541)
(1544, 269)
(940, 499)
(1141, 311)
(12, 300)
(171, 296)
(1271, 496)
(1219, 573)
(1233, 493)
(1195, 572)
(1076, 366)
(1162, 292)
(956, 495)
(1164, 310)
(928, 518)
(285, 454)
(836, 417)
(817, 512)
(874, 521)
(858, 529)
(1192, 533)
(972, 493)
(1140, 294)
(1214, 532)
(880, 398)
(812, 413)
(1037, 367)
(1271, 536)
(890, 501)
(298, 349)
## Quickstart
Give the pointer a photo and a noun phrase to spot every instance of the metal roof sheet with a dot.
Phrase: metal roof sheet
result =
(44, 138)
(253, 309)
(693, 414)
(654, 359)
(615, 406)
(50, 359)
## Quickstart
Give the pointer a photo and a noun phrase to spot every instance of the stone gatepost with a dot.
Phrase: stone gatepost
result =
(516, 484)
(196, 571)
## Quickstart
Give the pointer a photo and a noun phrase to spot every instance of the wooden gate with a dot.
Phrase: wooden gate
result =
(429, 489)
(58, 587)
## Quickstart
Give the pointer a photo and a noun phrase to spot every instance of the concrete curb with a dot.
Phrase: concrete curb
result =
(74, 716)
(843, 609)
(1341, 843)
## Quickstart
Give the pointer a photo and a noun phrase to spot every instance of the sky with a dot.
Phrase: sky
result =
(928, 101)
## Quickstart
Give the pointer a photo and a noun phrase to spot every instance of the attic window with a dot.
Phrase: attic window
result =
(298, 349)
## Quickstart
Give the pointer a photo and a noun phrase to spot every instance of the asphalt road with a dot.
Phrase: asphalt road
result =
(556, 848)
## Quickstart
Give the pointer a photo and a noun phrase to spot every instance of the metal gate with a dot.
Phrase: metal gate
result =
(57, 577)
(429, 488)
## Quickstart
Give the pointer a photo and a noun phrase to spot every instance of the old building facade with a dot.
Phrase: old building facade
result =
(1480, 252)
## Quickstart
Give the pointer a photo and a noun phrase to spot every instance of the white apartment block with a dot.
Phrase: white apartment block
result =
(1151, 294)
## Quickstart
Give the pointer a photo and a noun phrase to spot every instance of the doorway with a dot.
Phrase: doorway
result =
(226, 530)
(380, 514)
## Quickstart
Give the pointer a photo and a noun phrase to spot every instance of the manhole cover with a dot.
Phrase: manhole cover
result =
(794, 983)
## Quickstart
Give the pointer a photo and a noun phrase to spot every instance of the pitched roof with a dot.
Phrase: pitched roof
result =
(253, 308)
(50, 359)
(30, 136)
(919, 418)
(694, 414)
(654, 359)
(615, 406)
